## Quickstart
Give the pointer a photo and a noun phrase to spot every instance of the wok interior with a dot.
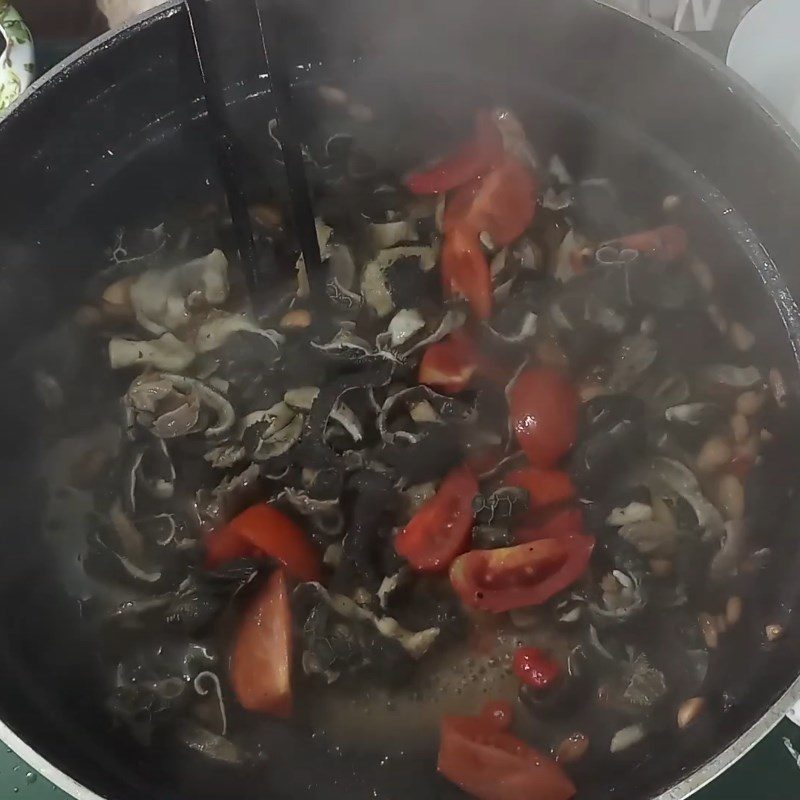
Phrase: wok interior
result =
(51, 692)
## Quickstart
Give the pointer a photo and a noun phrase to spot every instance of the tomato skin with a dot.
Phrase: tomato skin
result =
(441, 528)
(222, 546)
(491, 764)
(450, 364)
(544, 415)
(458, 207)
(561, 524)
(271, 532)
(474, 158)
(503, 204)
(534, 668)
(261, 660)
(545, 487)
(522, 575)
(667, 243)
(465, 271)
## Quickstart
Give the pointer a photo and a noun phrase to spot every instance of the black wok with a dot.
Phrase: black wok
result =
(117, 135)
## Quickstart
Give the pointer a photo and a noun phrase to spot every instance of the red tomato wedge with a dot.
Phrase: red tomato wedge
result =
(502, 203)
(450, 364)
(262, 652)
(474, 158)
(272, 533)
(666, 243)
(491, 764)
(544, 415)
(545, 487)
(440, 529)
(223, 546)
(560, 524)
(465, 271)
(522, 575)
(458, 207)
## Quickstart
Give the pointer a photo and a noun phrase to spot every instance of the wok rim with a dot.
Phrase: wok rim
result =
(762, 726)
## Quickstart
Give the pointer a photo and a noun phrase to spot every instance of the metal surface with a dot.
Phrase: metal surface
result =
(708, 772)
(794, 713)
(694, 783)
(770, 771)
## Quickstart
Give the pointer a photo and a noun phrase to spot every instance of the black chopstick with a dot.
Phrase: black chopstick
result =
(299, 194)
(214, 88)
(228, 149)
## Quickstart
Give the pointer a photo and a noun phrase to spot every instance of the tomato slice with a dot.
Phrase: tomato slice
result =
(544, 415)
(522, 575)
(458, 207)
(450, 364)
(440, 529)
(545, 487)
(666, 243)
(465, 271)
(560, 524)
(502, 203)
(474, 158)
(262, 652)
(223, 546)
(271, 532)
(491, 764)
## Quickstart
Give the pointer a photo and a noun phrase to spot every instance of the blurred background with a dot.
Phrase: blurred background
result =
(59, 26)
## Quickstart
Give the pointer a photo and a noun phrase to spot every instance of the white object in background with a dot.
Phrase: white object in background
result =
(16, 60)
(687, 15)
(118, 12)
(765, 52)
(705, 13)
